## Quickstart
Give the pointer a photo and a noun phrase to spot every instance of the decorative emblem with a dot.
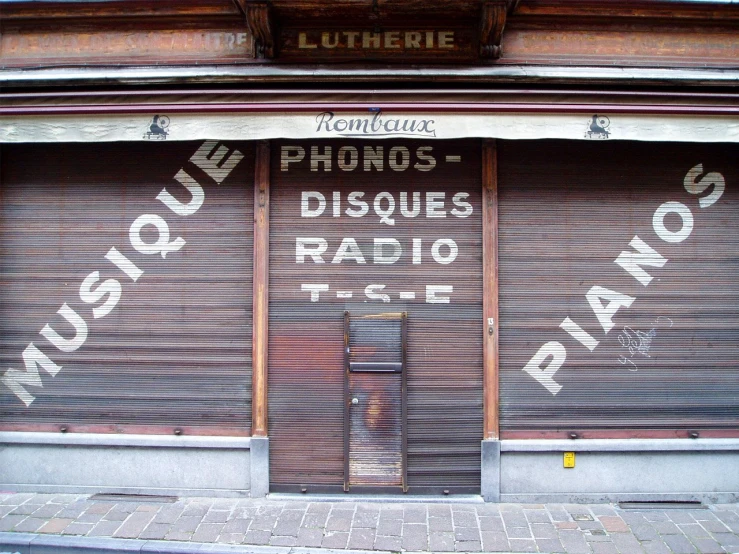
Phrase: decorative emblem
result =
(158, 128)
(598, 127)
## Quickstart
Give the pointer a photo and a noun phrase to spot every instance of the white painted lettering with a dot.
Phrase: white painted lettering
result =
(579, 334)
(412, 39)
(380, 257)
(544, 375)
(399, 158)
(161, 245)
(384, 214)
(434, 202)
(111, 287)
(370, 40)
(216, 163)
(316, 158)
(615, 299)
(695, 186)
(80, 331)
(658, 222)
(373, 293)
(645, 255)
(309, 246)
(392, 39)
(404, 204)
(195, 190)
(124, 264)
(449, 258)
(433, 293)
(424, 157)
(336, 204)
(348, 250)
(446, 39)
(326, 40)
(373, 157)
(15, 380)
(351, 38)
(348, 158)
(354, 200)
(416, 251)
(458, 201)
(303, 41)
(292, 154)
(315, 291)
(305, 197)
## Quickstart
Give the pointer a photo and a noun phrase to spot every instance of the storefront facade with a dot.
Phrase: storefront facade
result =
(223, 275)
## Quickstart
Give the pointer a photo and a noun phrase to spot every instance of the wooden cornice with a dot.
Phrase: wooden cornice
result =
(633, 10)
(260, 22)
(628, 33)
(116, 9)
(492, 25)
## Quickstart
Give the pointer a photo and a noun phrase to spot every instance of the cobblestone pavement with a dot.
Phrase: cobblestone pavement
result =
(376, 526)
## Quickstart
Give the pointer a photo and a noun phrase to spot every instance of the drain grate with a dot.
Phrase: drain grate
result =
(663, 505)
(109, 497)
(582, 517)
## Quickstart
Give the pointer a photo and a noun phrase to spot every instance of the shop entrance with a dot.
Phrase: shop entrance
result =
(375, 413)
(362, 398)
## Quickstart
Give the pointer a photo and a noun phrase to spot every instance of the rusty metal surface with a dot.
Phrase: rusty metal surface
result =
(667, 365)
(175, 351)
(375, 399)
(306, 343)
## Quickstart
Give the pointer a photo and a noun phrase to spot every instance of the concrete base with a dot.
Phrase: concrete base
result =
(618, 470)
(259, 464)
(490, 477)
(128, 464)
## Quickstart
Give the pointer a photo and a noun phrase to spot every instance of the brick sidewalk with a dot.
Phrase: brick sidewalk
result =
(368, 526)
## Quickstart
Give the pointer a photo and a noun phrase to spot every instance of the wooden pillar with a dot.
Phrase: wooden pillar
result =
(490, 288)
(261, 290)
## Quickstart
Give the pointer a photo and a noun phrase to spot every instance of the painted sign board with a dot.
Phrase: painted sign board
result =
(389, 43)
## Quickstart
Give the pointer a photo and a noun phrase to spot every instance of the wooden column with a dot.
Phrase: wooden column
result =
(490, 288)
(261, 290)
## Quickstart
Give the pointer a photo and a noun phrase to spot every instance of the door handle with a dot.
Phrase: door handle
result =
(355, 401)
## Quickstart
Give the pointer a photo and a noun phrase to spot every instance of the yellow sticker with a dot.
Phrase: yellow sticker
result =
(569, 459)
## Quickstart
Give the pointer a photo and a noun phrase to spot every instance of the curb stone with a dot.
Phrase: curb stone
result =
(32, 543)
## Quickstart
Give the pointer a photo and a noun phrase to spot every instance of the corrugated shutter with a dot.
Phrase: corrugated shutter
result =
(568, 210)
(175, 351)
(444, 358)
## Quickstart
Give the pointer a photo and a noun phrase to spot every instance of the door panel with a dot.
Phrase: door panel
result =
(375, 439)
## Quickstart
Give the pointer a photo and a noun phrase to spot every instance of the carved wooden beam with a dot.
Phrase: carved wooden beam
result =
(492, 23)
(260, 25)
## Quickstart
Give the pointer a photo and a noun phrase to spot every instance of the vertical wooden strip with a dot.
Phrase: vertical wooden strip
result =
(404, 400)
(490, 288)
(261, 290)
(347, 403)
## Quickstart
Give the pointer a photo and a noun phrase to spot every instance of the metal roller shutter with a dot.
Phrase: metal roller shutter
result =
(637, 245)
(309, 295)
(169, 346)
